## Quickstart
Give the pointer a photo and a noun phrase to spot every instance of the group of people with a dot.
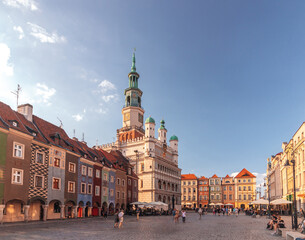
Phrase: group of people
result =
(275, 223)
(226, 211)
(118, 218)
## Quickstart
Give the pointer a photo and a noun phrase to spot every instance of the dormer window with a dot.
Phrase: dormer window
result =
(34, 134)
(15, 124)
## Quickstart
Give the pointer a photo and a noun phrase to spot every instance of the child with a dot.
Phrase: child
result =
(183, 215)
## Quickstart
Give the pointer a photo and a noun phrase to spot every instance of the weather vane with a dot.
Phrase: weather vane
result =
(17, 93)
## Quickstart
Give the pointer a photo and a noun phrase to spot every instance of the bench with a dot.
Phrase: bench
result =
(283, 231)
(294, 235)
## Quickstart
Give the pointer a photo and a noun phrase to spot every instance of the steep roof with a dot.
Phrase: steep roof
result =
(227, 176)
(188, 177)
(202, 178)
(244, 173)
(8, 116)
(214, 176)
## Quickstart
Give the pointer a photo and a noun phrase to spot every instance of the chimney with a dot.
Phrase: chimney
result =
(27, 111)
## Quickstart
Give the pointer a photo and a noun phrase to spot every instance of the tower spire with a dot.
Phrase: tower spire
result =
(133, 66)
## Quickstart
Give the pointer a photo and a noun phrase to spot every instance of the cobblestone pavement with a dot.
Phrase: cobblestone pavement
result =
(150, 227)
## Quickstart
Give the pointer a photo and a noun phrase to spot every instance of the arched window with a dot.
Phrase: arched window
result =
(159, 184)
(139, 101)
(128, 101)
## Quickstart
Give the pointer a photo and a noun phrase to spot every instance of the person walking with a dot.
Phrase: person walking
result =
(183, 213)
(138, 213)
(200, 213)
(121, 218)
(116, 219)
(174, 213)
(177, 216)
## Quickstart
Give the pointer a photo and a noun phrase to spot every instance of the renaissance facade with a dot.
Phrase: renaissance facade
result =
(155, 161)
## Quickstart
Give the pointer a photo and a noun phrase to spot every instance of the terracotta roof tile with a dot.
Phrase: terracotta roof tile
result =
(188, 177)
(214, 176)
(244, 173)
(227, 176)
(202, 178)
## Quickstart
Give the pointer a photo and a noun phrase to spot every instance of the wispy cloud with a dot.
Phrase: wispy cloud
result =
(78, 117)
(43, 36)
(45, 93)
(108, 98)
(20, 31)
(106, 86)
(6, 68)
(25, 4)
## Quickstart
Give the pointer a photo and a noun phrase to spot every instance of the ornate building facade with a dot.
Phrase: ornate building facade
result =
(154, 160)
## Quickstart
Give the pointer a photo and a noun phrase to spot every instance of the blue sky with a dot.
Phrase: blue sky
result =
(227, 76)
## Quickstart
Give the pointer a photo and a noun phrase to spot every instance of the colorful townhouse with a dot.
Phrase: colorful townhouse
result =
(203, 192)
(215, 189)
(189, 191)
(228, 190)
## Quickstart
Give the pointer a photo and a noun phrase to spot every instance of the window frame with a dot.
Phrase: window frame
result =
(59, 183)
(81, 188)
(21, 176)
(22, 150)
(89, 188)
(42, 181)
(73, 184)
(90, 171)
(43, 157)
(74, 167)
(84, 169)
(99, 191)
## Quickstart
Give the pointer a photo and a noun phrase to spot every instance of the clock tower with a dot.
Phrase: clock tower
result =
(132, 111)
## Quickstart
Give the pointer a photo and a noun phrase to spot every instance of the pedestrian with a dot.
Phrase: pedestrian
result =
(214, 212)
(116, 218)
(121, 218)
(105, 213)
(138, 213)
(183, 215)
(200, 213)
(177, 216)
(223, 211)
(174, 213)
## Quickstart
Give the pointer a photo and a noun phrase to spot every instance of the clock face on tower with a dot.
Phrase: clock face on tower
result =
(126, 117)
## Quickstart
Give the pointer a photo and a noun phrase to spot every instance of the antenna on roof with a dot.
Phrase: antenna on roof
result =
(83, 137)
(96, 144)
(61, 125)
(74, 133)
(17, 93)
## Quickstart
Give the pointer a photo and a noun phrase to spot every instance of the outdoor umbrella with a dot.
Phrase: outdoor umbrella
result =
(229, 204)
(218, 204)
(212, 204)
(138, 203)
(260, 202)
(280, 202)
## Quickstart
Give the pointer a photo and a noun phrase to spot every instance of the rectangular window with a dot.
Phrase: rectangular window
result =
(190, 190)
(129, 182)
(129, 194)
(142, 167)
(90, 172)
(217, 197)
(200, 197)
(83, 188)
(112, 179)
(135, 183)
(118, 181)
(239, 197)
(39, 157)
(205, 189)
(194, 190)
(97, 173)
(217, 189)
(118, 195)
(18, 150)
(184, 183)
(184, 198)
(123, 182)
(38, 181)
(141, 183)
(72, 167)
(56, 162)
(245, 188)
(239, 188)
(111, 192)
(189, 198)
(84, 170)
(212, 188)
(56, 183)
(224, 188)
(249, 180)
(249, 197)
(230, 196)
(230, 188)
(89, 188)
(17, 176)
(212, 197)
(205, 197)
(123, 195)
(97, 190)
(225, 197)
(249, 188)
(245, 197)
(105, 176)
(211, 182)
(71, 187)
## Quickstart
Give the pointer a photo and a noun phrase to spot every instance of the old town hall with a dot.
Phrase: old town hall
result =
(154, 160)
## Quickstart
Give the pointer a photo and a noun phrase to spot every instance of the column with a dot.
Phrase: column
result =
(26, 213)
(89, 211)
(99, 211)
(74, 210)
(62, 211)
(45, 212)
(83, 211)
(1, 213)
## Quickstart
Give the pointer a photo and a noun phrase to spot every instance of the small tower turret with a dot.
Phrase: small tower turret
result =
(150, 128)
(162, 132)
(173, 143)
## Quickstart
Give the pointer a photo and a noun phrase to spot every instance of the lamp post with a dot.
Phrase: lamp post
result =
(294, 214)
(137, 159)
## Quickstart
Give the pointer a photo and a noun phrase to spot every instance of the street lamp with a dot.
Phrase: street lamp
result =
(294, 214)
(137, 159)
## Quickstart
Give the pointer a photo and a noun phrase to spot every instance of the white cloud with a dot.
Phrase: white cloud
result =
(20, 31)
(43, 36)
(6, 68)
(234, 174)
(78, 117)
(106, 86)
(108, 98)
(27, 4)
(45, 93)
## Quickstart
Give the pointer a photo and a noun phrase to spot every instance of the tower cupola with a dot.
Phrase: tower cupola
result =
(162, 132)
(150, 127)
